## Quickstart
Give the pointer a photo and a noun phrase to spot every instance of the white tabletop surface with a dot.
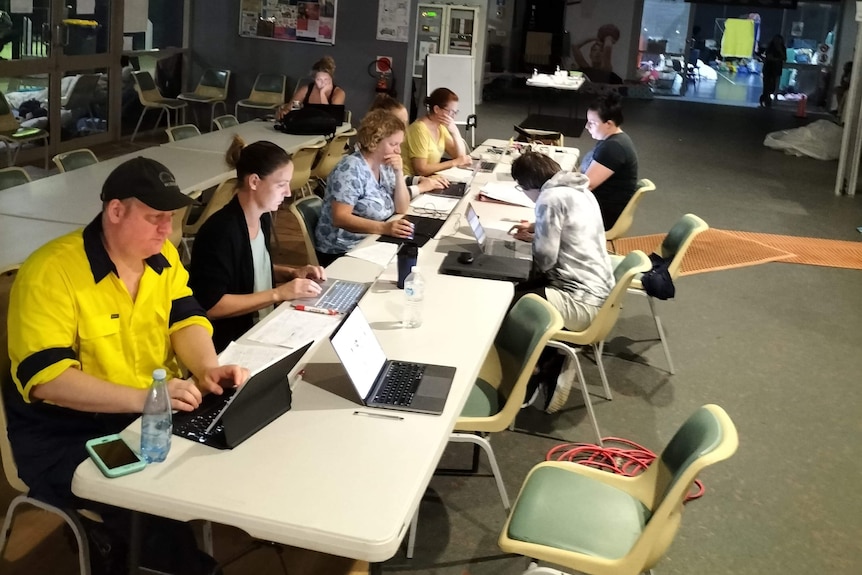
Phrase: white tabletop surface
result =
(218, 141)
(320, 477)
(73, 197)
(19, 237)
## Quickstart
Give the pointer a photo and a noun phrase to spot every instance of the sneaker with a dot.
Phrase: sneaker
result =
(560, 394)
(534, 385)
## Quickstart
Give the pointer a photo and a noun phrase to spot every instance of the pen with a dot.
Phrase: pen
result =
(313, 309)
(380, 415)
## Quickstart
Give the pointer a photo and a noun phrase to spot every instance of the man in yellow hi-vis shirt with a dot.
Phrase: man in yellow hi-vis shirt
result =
(91, 315)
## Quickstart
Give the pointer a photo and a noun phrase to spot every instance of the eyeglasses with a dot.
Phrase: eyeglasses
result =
(591, 123)
(452, 113)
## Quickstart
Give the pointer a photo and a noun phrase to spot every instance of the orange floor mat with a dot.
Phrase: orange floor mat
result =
(812, 251)
(711, 251)
(715, 250)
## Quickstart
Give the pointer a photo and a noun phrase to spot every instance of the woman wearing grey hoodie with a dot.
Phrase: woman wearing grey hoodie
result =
(571, 267)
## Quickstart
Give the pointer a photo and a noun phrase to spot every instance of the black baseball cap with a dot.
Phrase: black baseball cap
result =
(147, 180)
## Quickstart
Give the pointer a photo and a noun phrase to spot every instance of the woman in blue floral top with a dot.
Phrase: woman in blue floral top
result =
(364, 190)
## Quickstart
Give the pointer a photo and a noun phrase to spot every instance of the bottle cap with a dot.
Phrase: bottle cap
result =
(414, 269)
(160, 374)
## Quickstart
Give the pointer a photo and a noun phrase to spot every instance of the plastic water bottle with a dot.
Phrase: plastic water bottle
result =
(156, 423)
(414, 290)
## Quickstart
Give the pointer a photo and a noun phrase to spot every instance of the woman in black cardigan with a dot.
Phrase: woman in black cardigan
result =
(231, 272)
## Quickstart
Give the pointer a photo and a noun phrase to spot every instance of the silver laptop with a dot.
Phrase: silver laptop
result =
(507, 247)
(338, 295)
(405, 386)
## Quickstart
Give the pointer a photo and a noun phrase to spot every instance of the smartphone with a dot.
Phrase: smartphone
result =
(113, 456)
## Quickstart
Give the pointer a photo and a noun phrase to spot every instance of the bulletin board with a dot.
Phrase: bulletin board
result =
(289, 20)
(453, 71)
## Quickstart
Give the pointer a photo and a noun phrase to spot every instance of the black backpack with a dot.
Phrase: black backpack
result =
(308, 122)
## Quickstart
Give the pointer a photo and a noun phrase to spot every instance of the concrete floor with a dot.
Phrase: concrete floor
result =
(777, 345)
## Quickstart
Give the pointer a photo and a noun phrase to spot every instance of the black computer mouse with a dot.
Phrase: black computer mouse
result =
(465, 258)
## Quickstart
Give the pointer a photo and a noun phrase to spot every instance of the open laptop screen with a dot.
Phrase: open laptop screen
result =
(359, 351)
(475, 225)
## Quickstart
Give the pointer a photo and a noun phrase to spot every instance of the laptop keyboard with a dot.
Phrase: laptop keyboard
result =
(487, 166)
(194, 425)
(341, 296)
(505, 248)
(402, 380)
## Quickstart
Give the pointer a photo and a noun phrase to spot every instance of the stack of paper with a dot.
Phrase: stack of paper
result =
(507, 193)
(379, 253)
(293, 328)
(457, 175)
(255, 358)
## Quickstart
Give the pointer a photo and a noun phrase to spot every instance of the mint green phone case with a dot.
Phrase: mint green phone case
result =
(113, 456)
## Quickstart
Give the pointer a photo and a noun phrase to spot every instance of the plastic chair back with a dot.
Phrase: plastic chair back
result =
(148, 92)
(8, 122)
(634, 263)
(226, 121)
(82, 93)
(68, 161)
(268, 88)
(624, 222)
(213, 84)
(177, 218)
(222, 195)
(182, 132)
(332, 154)
(7, 277)
(302, 160)
(525, 331)
(699, 436)
(678, 239)
(307, 213)
(13, 176)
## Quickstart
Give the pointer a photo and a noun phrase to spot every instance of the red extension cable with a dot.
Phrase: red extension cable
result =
(631, 459)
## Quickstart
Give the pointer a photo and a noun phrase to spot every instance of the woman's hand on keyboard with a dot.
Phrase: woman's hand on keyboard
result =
(310, 272)
(297, 288)
(428, 184)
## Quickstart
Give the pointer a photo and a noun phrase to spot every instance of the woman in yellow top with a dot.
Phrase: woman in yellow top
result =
(430, 136)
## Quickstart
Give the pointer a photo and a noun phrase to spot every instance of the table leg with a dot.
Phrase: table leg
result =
(135, 544)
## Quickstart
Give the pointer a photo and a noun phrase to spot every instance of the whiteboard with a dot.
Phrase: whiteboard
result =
(456, 73)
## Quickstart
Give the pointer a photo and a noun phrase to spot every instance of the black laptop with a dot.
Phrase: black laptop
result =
(334, 110)
(487, 267)
(424, 229)
(380, 382)
(455, 190)
(224, 421)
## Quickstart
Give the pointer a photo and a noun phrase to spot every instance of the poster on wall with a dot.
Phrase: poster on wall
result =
(289, 20)
(392, 20)
(600, 33)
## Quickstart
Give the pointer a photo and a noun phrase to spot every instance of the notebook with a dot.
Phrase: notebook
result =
(487, 267)
(507, 247)
(424, 229)
(224, 421)
(337, 295)
(379, 382)
(334, 110)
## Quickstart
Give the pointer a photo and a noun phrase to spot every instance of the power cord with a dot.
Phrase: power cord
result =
(630, 459)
